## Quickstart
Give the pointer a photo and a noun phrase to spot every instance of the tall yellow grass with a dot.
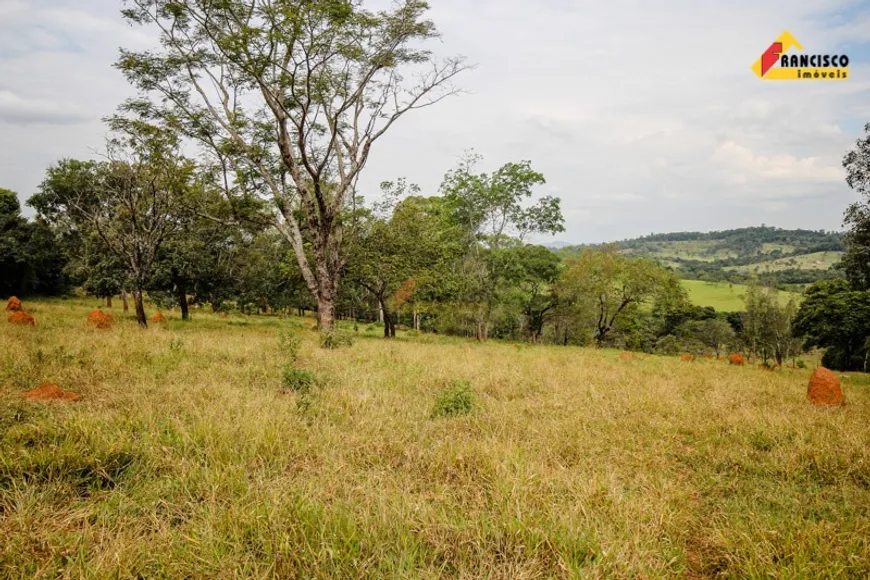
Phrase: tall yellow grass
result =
(186, 458)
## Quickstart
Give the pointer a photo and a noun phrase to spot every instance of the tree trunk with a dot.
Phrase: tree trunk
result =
(140, 309)
(389, 319)
(108, 301)
(124, 300)
(182, 302)
(325, 314)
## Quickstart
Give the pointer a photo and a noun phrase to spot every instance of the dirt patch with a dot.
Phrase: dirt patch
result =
(14, 305)
(158, 318)
(21, 318)
(50, 393)
(99, 319)
(824, 388)
(737, 359)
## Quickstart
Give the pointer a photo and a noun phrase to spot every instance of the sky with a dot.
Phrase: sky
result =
(644, 117)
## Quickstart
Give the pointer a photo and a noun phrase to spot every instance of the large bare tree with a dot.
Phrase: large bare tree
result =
(289, 96)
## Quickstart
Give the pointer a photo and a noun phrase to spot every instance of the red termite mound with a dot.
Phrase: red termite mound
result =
(737, 359)
(158, 318)
(14, 305)
(50, 393)
(99, 319)
(687, 357)
(21, 318)
(626, 356)
(825, 389)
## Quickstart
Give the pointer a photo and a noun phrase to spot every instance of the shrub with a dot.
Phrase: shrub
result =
(801, 364)
(668, 345)
(176, 344)
(288, 343)
(455, 400)
(336, 339)
(298, 380)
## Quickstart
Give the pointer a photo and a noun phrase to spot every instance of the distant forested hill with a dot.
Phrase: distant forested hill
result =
(788, 259)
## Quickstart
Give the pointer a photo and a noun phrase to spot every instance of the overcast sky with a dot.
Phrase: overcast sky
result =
(643, 116)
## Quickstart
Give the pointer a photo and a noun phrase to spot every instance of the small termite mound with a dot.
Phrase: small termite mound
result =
(49, 392)
(21, 318)
(99, 319)
(825, 389)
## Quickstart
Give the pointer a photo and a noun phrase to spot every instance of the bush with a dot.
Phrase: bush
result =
(455, 400)
(288, 343)
(668, 345)
(336, 339)
(298, 380)
(801, 364)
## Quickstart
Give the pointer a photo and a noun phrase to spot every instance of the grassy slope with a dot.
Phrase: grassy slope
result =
(723, 296)
(815, 261)
(185, 460)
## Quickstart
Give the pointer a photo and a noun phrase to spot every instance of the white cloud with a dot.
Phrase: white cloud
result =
(17, 110)
(743, 165)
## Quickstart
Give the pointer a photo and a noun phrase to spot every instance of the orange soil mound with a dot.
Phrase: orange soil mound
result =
(824, 388)
(737, 359)
(14, 305)
(50, 393)
(99, 319)
(21, 318)
(626, 356)
(687, 357)
(158, 318)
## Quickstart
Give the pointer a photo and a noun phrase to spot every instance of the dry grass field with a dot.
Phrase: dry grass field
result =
(188, 458)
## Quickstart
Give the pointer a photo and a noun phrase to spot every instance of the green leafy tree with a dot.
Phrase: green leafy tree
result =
(608, 285)
(836, 317)
(396, 257)
(767, 324)
(714, 334)
(532, 272)
(493, 211)
(856, 260)
(29, 261)
(131, 202)
(289, 97)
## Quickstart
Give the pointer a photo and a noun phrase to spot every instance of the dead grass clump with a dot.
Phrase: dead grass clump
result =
(21, 318)
(49, 392)
(824, 388)
(99, 319)
(14, 305)
(737, 359)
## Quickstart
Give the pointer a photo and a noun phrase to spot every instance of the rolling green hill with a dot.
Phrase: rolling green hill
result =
(786, 259)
